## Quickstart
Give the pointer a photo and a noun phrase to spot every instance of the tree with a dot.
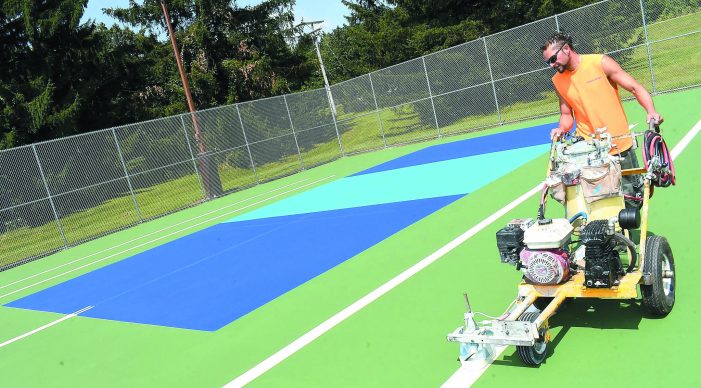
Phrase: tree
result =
(60, 77)
(383, 33)
(230, 54)
(43, 50)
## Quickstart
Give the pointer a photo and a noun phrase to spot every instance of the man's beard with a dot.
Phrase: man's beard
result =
(562, 67)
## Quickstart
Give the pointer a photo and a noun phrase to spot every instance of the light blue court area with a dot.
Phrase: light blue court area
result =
(447, 169)
(210, 278)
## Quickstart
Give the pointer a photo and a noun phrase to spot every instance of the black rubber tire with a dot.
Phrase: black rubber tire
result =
(658, 258)
(542, 302)
(533, 355)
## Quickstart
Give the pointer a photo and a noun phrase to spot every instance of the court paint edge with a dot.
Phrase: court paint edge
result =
(339, 317)
(146, 235)
(160, 238)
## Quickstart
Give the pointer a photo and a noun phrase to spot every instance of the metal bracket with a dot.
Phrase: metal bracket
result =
(519, 333)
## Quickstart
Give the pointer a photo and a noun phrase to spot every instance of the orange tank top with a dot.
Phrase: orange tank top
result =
(594, 100)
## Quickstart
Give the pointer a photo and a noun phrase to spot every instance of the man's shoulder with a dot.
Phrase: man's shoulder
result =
(558, 77)
(592, 58)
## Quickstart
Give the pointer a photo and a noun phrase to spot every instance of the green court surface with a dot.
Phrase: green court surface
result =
(399, 339)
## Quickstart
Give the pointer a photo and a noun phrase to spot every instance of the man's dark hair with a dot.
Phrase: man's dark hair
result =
(558, 38)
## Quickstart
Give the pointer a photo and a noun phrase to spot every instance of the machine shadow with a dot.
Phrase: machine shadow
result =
(622, 314)
(586, 312)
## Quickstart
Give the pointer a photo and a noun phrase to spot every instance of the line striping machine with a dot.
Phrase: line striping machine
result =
(601, 248)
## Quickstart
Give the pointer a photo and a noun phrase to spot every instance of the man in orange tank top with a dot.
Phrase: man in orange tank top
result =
(587, 87)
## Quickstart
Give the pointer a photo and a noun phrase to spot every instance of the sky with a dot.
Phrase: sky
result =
(330, 11)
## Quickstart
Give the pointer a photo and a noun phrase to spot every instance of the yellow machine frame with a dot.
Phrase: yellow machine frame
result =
(574, 287)
(529, 330)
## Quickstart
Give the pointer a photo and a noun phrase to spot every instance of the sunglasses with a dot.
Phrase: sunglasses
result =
(553, 57)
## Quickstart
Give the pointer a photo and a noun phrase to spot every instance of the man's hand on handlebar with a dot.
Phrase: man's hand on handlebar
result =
(557, 133)
(654, 116)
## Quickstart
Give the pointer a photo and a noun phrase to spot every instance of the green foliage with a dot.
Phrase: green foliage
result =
(60, 77)
(41, 44)
(383, 33)
(230, 54)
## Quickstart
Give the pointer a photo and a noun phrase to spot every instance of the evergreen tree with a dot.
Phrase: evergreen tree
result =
(44, 50)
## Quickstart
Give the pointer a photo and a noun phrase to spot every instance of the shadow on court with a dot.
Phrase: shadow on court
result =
(586, 313)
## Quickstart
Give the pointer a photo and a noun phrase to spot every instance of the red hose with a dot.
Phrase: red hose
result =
(656, 146)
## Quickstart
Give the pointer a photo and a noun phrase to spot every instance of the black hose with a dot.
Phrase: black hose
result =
(655, 146)
(633, 254)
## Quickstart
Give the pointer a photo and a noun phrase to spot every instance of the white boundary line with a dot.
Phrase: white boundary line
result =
(684, 142)
(149, 234)
(48, 325)
(162, 237)
(339, 317)
(465, 377)
(327, 325)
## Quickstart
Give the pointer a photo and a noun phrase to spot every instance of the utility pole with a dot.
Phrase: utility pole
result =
(329, 97)
(326, 80)
(210, 176)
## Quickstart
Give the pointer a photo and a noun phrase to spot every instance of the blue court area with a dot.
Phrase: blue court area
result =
(210, 278)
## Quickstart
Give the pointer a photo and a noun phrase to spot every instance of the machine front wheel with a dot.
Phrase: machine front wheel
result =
(533, 355)
(658, 298)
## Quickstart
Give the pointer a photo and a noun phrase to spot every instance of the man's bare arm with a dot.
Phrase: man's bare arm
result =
(566, 118)
(615, 73)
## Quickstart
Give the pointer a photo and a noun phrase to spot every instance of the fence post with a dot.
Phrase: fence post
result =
(299, 152)
(377, 110)
(335, 123)
(332, 108)
(194, 162)
(647, 44)
(126, 175)
(557, 23)
(430, 96)
(248, 147)
(48, 193)
(491, 77)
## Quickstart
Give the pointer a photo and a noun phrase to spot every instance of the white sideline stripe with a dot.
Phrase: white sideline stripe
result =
(685, 140)
(464, 377)
(162, 237)
(149, 234)
(48, 325)
(469, 377)
(339, 317)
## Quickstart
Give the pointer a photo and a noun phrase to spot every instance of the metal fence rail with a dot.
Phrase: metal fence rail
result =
(62, 192)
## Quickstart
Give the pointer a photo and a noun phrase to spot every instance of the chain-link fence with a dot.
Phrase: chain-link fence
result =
(59, 193)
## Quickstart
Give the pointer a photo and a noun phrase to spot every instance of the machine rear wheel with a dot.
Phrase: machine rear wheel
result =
(533, 355)
(658, 298)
